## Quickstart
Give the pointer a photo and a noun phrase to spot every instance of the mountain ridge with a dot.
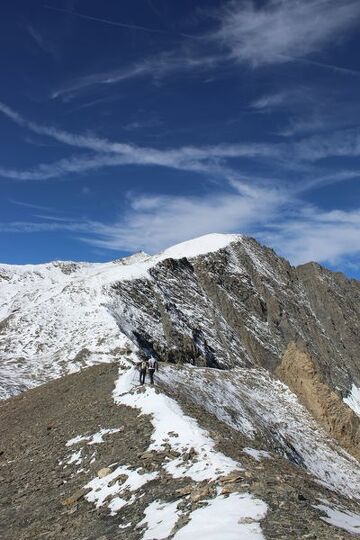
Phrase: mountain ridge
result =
(247, 278)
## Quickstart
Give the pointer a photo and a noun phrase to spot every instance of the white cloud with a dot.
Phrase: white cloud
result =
(298, 232)
(155, 222)
(314, 235)
(283, 30)
(270, 101)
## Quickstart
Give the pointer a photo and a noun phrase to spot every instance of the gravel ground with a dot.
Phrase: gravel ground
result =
(35, 487)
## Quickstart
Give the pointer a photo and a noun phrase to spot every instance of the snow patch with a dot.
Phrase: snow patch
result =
(234, 517)
(95, 438)
(344, 519)
(113, 485)
(202, 245)
(353, 399)
(160, 519)
(75, 458)
(257, 454)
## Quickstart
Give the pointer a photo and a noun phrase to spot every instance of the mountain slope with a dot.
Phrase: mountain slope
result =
(92, 455)
(220, 301)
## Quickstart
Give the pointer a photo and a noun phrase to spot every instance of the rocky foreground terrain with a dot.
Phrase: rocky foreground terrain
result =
(251, 431)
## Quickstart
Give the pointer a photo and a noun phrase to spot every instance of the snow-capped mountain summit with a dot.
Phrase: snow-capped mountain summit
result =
(57, 317)
(218, 300)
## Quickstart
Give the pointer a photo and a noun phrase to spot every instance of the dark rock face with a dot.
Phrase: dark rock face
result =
(242, 306)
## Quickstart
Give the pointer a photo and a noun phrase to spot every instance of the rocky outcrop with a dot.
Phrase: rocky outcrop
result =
(298, 371)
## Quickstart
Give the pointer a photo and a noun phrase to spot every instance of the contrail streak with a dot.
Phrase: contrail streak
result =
(112, 23)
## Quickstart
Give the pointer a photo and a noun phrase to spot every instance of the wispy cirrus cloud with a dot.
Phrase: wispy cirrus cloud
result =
(157, 67)
(327, 115)
(210, 160)
(270, 101)
(342, 143)
(276, 32)
(32, 206)
(303, 97)
(46, 226)
(146, 154)
(311, 109)
(106, 153)
(42, 43)
(280, 31)
(275, 216)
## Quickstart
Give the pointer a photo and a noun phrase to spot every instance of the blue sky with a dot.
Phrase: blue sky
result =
(136, 125)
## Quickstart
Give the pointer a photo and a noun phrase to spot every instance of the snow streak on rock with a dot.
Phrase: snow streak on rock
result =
(95, 438)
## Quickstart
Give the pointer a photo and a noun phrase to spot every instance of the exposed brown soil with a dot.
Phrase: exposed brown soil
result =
(298, 371)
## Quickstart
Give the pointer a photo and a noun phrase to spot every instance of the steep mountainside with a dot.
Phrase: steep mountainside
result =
(256, 407)
(220, 300)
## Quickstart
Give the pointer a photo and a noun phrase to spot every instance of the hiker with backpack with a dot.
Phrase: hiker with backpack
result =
(142, 366)
(152, 365)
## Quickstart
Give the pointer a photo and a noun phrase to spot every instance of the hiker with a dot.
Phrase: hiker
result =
(152, 364)
(142, 366)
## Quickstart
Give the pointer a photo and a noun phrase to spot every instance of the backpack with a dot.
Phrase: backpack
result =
(152, 363)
